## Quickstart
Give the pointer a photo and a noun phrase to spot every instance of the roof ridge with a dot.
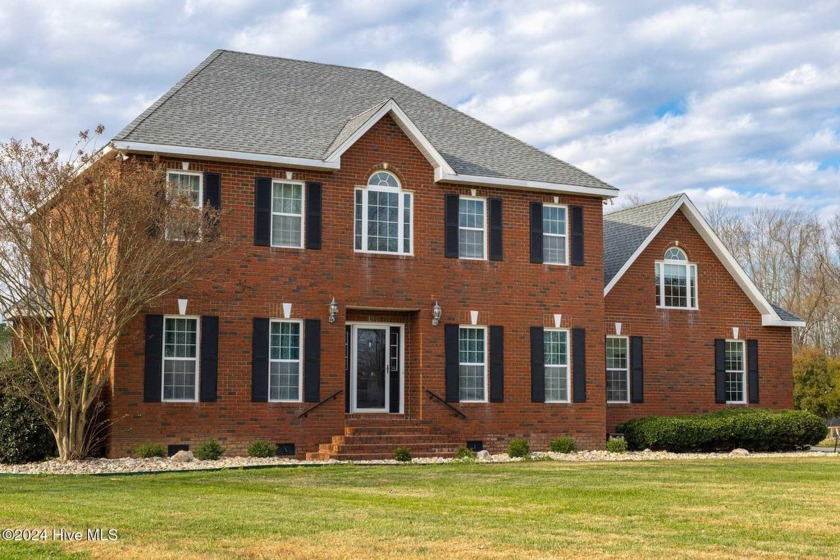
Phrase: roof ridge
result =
(639, 206)
(344, 66)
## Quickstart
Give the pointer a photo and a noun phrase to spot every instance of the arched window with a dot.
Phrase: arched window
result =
(383, 216)
(676, 280)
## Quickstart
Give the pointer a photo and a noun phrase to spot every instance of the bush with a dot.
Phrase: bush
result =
(402, 454)
(261, 448)
(754, 429)
(23, 435)
(816, 383)
(617, 445)
(149, 450)
(519, 447)
(209, 450)
(464, 453)
(563, 444)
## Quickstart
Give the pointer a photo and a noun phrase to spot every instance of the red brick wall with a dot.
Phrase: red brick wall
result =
(254, 281)
(679, 344)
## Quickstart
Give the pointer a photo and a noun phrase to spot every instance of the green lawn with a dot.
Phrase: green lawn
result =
(765, 508)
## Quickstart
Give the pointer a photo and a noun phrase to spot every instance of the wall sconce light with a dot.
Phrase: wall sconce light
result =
(333, 310)
(182, 306)
(437, 312)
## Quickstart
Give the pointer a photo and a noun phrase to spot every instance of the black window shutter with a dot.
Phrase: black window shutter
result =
(536, 232)
(579, 365)
(312, 360)
(637, 370)
(537, 365)
(752, 371)
(153, 369)
(720, 371)
(496, 249)
(213, 190)
(262, 211)
(259, 361)
(497, 364)
(313, 215)
(347, 333)
(209, 358)
(576, 213)
(451, 226)
(452, 375)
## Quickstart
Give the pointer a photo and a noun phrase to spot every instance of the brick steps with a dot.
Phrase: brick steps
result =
(377, 438)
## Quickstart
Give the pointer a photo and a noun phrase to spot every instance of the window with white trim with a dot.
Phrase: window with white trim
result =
(383, 216)
(618, 369)
(284, 374)
(185, 190)
(736, 372)
(676, 281)
(472, 368)
(286, 214)
(556, 357)
(472, 228)
(555, 234)
(180, 359)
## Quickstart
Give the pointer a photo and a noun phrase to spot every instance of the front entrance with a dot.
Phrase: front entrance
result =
(375, 360)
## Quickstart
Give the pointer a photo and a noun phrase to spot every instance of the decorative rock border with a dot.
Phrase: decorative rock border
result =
(134, 466)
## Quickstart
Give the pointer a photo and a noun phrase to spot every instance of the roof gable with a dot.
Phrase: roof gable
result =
(260, 108)
(628, 233)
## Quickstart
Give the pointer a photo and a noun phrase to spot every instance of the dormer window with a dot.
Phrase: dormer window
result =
(383, 216)
(676, 281)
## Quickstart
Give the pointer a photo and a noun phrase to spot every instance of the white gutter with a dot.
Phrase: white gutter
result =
(442, 177)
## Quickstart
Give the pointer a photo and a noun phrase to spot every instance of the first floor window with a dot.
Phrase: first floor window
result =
(180, 359)
(554, 234)
(556, 353)
(618, 370)
(286, 214)
(676, 281)
(284, 361)
(472, 367)
(471, 228)
(383, 216)
(735, 371)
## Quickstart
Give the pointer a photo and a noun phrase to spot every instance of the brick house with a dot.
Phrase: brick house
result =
(407, 275)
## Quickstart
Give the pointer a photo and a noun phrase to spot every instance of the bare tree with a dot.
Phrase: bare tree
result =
(86, 245)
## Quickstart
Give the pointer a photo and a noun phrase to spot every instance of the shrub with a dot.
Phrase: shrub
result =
(464, 453)
(209, 450)
(402, 454)
(519, 447)
(617, 445)
(261, 448)
(149, 450)
(754, 429)
(23, 435)
(563, 444)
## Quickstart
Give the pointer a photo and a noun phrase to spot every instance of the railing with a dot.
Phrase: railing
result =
(434, 397)
(306, 412)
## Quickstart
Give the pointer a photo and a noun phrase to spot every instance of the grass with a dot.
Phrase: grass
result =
(757, 508)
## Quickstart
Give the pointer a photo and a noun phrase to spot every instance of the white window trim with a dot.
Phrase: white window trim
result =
(568, 365)
(302, 214)
(197, 359)
(400, 219)
(625, 369)
(200, 176)
(299, 361)
(485, 364)
(483, 229)
(693, 297)
(565, 235)
(743, 372)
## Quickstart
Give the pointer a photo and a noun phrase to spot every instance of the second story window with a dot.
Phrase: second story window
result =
(383, 216)
(471, 228)
(185, 190)
(286, 214)
(555, 246)
(676, 281)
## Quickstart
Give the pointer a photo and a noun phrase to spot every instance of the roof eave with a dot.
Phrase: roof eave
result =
(523, 184)
(768, 320)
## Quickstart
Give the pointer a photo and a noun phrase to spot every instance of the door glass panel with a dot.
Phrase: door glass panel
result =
(370, 368)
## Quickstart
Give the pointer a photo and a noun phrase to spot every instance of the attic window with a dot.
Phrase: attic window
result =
(383, 216)
(676, 281)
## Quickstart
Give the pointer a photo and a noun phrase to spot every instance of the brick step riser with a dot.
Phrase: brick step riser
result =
(386, 430)
(396, 439)
(335, 450)
(386, 456)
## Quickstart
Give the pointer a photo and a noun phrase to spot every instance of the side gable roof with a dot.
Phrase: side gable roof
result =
(627, 233)
(260, 108)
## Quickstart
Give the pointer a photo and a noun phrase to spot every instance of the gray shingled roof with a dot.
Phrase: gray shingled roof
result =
(275, 106)
(625, 230)
(784, 314)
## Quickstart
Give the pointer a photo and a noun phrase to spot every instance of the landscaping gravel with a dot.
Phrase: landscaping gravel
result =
(132, 465)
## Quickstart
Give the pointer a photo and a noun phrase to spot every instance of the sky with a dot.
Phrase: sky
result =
(726, 101)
